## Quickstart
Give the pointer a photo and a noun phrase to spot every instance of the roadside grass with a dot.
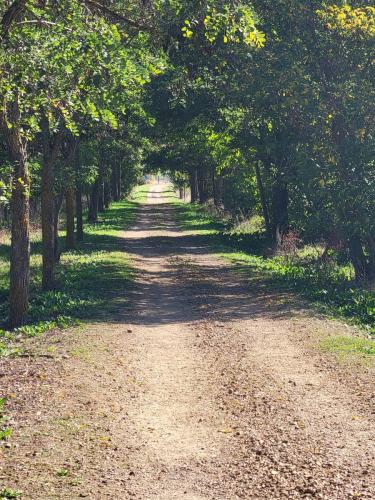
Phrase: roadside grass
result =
(328, 286)
(5, 430)
(346, 348)
(7, 493)
(89, 278)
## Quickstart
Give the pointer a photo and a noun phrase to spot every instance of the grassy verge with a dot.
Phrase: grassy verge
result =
(89, 278)
(328, 287)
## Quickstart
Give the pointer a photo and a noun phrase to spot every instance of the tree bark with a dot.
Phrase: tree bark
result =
(218, 190)
(78, 195)
(51, 149)
(193, 179)
(119, 182)
(70, 226)
(371, 260)
(58, 204)
(93, 206)
(357, 257)
(280, 202)
(107, 195)
(79, 212)
(20, 208)
(11, 15)
(114, 188)
(101, 196)
(203, 188)
(263, 199)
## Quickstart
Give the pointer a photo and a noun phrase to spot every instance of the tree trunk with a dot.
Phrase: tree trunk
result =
(263, 199)
(371, 260)
(79, 212)
(280, 202)
(107, 195)
(119, 182)
(357, 257)
(20, 244)
(203, 186)
(51, 149)
(114, 183)
(101, 196)
(193, 186)
(69, 207)
(48, 226)
(93, 206)
(218, 191)
(58, 204)
(214, 190)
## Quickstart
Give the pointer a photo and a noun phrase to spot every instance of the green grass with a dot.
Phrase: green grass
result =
(7, 493)
(329, 287)
(140, 193)
(5, 430)
(196, 218)
(91, 279)
(349, 347)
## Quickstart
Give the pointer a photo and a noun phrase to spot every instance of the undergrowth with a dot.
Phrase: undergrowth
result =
(330, 286)
(88, 278)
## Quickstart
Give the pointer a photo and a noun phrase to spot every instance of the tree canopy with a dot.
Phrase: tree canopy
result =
(263, 107)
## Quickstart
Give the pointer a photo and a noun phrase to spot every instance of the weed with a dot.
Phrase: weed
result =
(7, 493)
(5, 431)
(62, 473)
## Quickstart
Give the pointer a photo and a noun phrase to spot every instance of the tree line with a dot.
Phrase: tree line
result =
(286, 129)
(264, 106)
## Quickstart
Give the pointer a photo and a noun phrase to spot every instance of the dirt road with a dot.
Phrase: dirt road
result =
(204, 385)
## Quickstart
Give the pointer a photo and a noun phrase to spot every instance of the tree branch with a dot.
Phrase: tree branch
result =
(11, 14)
(115, 15)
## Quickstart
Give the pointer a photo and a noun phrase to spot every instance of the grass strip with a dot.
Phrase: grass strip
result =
(89, 278)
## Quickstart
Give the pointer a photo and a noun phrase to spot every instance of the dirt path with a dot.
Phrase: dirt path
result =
(201, 386)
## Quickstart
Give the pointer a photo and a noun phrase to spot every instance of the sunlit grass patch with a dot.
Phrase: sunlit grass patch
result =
(195, 218)
(347, 348)
(140, 193)
(89, 278)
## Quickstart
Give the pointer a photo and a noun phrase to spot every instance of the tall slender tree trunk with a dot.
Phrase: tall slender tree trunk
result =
(20, 208)
(114, 183)
(56, 215)
(70, 226)
(119, 182)
(280, 202)
(93, 206)
(51, 149)
(263, 198)
(214, 190)
(78, 195)
(71, 167)
(193, 180)
(107, 194)
(358, 258)
(203, 191)
(101, 196)
(79, 212)
(371, 260)
(218, 184)
(48, 226)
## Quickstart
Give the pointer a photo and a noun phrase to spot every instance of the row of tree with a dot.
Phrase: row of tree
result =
(286, 130)
(261, 105)
(73, 87)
